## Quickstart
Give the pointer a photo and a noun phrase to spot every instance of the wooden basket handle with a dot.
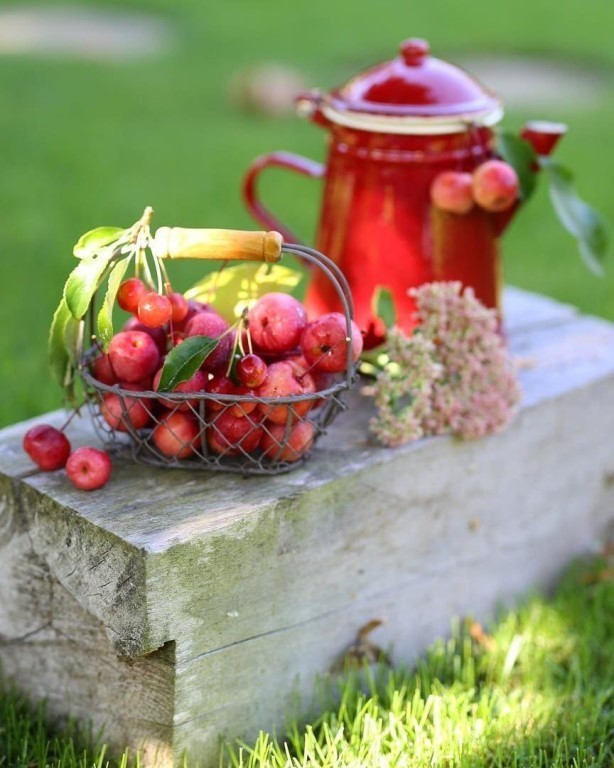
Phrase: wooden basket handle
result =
(219, 244)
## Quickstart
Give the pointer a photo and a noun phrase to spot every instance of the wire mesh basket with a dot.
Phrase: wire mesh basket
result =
(242, 433)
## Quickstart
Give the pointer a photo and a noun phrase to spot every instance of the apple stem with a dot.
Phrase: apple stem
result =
(68, 420)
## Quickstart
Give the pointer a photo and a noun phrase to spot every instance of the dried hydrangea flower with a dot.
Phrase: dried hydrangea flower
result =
(454, 375)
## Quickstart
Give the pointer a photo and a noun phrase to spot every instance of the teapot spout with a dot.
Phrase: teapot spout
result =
(543, 136)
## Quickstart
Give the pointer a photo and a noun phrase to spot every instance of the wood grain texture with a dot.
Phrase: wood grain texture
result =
(252, 587)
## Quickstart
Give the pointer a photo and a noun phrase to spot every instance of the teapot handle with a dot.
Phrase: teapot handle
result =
(287, 160)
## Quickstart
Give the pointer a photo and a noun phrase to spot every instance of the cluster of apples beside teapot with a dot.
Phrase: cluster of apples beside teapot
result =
(408, 141)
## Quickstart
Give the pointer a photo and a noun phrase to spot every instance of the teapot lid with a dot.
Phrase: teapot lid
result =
(412, 93)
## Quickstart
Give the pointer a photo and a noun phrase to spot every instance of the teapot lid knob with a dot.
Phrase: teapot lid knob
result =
(414, 51)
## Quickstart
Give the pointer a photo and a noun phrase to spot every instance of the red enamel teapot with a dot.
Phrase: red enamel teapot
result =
(392, 130)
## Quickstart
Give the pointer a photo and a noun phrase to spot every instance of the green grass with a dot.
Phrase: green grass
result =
(537, 692)
(89, 143)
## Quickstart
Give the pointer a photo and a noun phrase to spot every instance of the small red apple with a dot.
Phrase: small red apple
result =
(47, 446)
(133, 355)
(179, 307)
(122, 412)
(157, 334)
(251, 371)
(495, 185)
(102, 370)
(284, 379)
(88, 468)
(154, 310)
(232, 435)
(325, 345)
(451, 191)
(129, 294)
(276, 322)
(280, 445)
(177, 435)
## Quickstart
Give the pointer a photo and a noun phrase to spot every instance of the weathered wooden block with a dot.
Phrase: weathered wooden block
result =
(175, 608)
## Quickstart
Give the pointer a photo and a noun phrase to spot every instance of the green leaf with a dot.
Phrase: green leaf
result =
(104, 322)
(521, 156)
(92, 241)
(184, 360)
(233, 288)
(65, 336)
(83, 282)
(73, 339)
(577, 216)
(57, 352)
(383, 306)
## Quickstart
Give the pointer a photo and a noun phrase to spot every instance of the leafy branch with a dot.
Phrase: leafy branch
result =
(576, 216)
(104, 253)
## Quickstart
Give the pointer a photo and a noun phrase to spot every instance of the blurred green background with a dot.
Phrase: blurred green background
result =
(91, 142)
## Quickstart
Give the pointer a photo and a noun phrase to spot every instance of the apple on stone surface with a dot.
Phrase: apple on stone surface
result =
(325, 346)
(276, 322)
(285, 379)
(88, 468)
(495, 185)
(133, 355)
(122, 412)
(48, 447)
(452, 191)
(176, 435)
(279, 444)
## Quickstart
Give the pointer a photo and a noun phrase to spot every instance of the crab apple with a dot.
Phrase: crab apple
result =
(176, 436)
(196, 383)
(102, 370)
(133, 355)
(222, 385)
(154, 310)
(130, 293)
(88, 468)
(194, 307)
(324, 343)
(451, 191)
(219, 385)
(232, 435)
(276, 322)
(47, 446)
(210, 324)
(495, 185)
(157, 334)
(179, 307)
(321, 380)
(122, 412)
(285, 380)
(251, 371)
(279, 445)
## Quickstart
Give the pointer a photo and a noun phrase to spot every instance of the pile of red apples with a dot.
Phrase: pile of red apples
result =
(279, 355)
(493, 186)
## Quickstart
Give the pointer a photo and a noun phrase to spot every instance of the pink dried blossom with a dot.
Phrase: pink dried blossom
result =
(453, 375)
